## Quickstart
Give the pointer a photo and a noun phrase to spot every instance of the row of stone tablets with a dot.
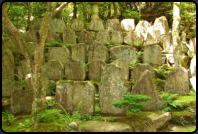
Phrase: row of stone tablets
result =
(112, 87)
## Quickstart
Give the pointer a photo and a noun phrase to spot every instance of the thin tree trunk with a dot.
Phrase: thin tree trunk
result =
(29, 16)
(115, 10)
(175, 33)
(39, 89)
(109, 13)
(140, 10)
(74, 10)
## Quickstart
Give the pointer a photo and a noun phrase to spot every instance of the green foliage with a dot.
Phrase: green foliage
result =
(191, 56)
(162, 71)
(130, 100)
(97, 107)
(26, 124)
(159, 84)
(109, 43)
(7, 118)
(169, 98)
(138, 45)
(50, 103)
(182, 121)
(52, 86)
(21, 81)
(189, 130)
(57, 44)
(86, 67)
(110, 118)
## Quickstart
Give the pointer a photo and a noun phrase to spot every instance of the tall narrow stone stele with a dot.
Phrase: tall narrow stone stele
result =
(177, 82)
(111, 89)
(145, 86)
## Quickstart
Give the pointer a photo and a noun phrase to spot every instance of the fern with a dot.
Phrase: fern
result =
(162, 71)
(86, 67)
(21, 81)
(109, 43)
(57, 44)
(138, 45)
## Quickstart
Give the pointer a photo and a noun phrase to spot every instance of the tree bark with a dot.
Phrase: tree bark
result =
(74, 10)
(115, 10)
(175, 33)
(39, 101)
(29, 16)
(109, 13)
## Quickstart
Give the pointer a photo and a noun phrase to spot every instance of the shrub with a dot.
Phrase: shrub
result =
(130, 100)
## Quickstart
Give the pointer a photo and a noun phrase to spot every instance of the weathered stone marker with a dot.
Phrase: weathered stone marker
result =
(95, 69)
(79, 52)
(145, 86)
(111, 88)
(9, 85)
(69, 93)
(69, 36)
(53, 70)
(8, 64)
(74, 70)
(177, 82)
(97, 51)
(21, 102)
(59, 53)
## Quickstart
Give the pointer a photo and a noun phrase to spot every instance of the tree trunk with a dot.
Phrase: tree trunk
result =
(175, 32)
(140, 10)
(109, 13)
(115, 10)
(39, 101)
(75, 10)
(29, 16)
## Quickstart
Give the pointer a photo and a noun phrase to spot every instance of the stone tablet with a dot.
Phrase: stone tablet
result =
(103, 37)
(152, 55)
(31, 47)
(53, 70)
(69, 36)
(24, 68)
(95, 69)
(74, 70)
(123, 52)
(8, 64)
(192, 46)
(70, 93)
(21, 102)
(124, 65)
(145, 86)
(96, 25)
(162, 24)
(167, 44)
(140, 68)
(134, 37)
(152, 36)
(117, 37)
(85, 37)
(57, 25)
(59, 53)
(128, 24)
(30, 35)
(9, 85)
(111, 88)
(193, 66)
(77, 24)
(111, 23)
(78, 52)
(97, 51)
(177, 82)
(53, 37)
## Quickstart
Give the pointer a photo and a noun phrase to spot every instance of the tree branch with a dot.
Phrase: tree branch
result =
(58, 9)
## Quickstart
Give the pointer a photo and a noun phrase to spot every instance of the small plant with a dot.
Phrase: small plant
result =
(182, 121)
(191, 56)
(57, 44)
(190, 109)
(159, 84)
(130, 100)
(26, 124)
(110, 119)
(86, 67)
(169, 98)
(52, 86)
(50, 103)
(86, 24)
(108, 43)
(7, 118)
(162, 71)
(97, 107)
(21, 81)
(138, 45)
